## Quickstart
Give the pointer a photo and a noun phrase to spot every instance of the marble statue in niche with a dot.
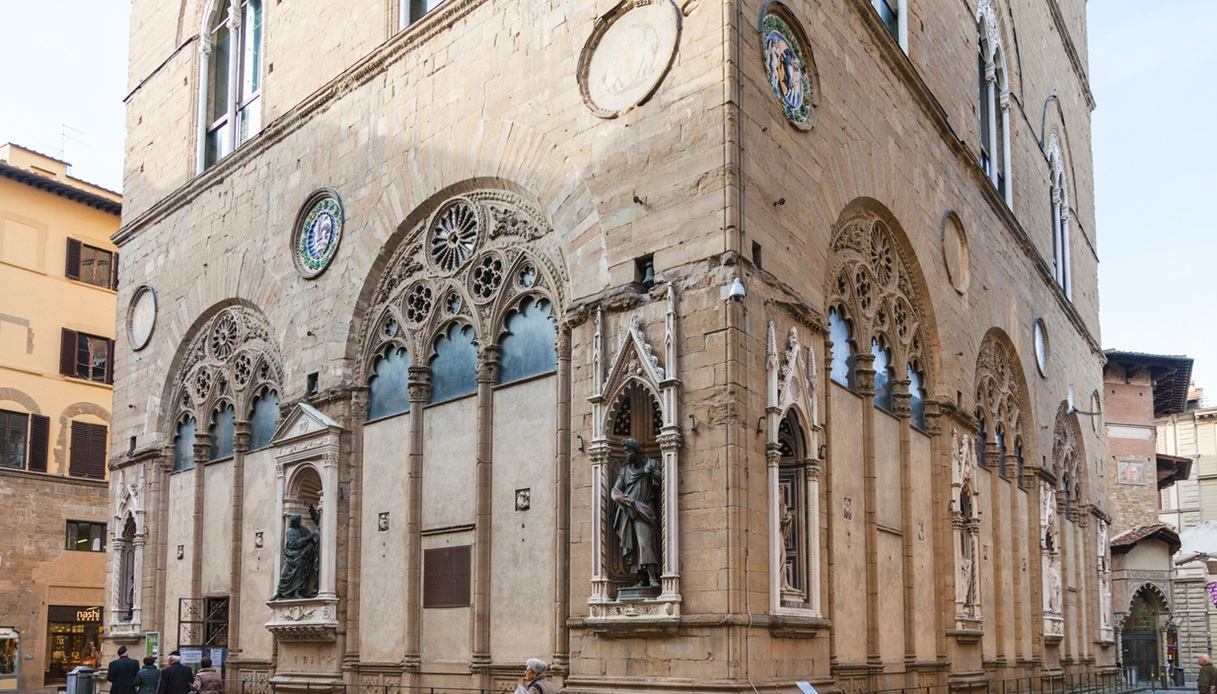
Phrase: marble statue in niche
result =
(637, 519)
(300, 558)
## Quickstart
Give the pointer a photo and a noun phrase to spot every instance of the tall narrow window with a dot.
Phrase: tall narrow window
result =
(414, 10)
(13, 426)
(994, 101)
(883, 375)
(841, 336)
(454, 368)
(388, 390)
(230, 106)
(223, 421)
(982, 437)
(1018, 460)
(183, 445)
(88, 450)
(528, 347)
(916, 397)
(999, 435)
(263, 418)
(986, 133)
(1059, 204)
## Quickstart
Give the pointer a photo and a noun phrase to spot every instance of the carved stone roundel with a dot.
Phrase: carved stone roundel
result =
(453, 235)
(141, 317)
(628, 54)
(317, 233)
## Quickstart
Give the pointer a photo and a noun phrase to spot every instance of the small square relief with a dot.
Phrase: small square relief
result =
(523, 499)
(258, 540)
(382, 521)
(847, 507)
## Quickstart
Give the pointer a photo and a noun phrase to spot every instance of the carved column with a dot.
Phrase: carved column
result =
(669, 446)
(562, 463)
(420, 395)
(159, 503)
(1017, 559)
(598, 453)
(356, 416)
(865, 386)
(487, 378)
(997, 528)
(902, 399)
(202, 451)
(137, 574)
(240, 446)
(940, 477)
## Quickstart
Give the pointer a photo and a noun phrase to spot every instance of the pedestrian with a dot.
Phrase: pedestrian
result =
(147, 677)
(120, 673)
(208, 680)
(175, 678)
(1207, 684)
(536, 678)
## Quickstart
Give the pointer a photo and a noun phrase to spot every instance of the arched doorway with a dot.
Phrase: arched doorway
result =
(1141, 643)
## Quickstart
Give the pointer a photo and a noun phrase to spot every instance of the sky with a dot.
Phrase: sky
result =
(1154, 145)
(64, 77)
(1155, 158)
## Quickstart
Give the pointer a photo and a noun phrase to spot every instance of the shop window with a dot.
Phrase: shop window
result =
(10, 654)
(263, 419)
(183, 445)
(528, 346)
(73, 639)
(88, 452)
(223, 423)
(883, 375)
(454, 367)
(388, 390)
(86, 536)
(840, 334)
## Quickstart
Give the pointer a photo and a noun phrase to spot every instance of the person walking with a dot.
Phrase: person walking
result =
(148, 676)
(208, 680)
(176, 678)
(120, 673)
(1207, 684)
(536, 678)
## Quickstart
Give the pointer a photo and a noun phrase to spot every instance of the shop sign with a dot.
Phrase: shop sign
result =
(74, 613)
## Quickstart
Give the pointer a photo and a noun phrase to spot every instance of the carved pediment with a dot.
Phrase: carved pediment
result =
(304, 422)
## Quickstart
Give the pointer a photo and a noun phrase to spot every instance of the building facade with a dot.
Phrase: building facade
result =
(423, 273)
(1190, 506)
(57, 297)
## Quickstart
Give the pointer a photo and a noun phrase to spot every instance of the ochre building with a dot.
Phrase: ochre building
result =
(58, 275)
(423, 267)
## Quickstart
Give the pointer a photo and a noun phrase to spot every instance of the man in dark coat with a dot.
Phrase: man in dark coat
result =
(177, 678)
(120, 673)
(1207, 681)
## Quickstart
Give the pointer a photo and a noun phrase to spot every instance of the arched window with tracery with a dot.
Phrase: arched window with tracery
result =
(840, 335)
(1059, 202)
(994, 100)
(183, 444)
(454, 366)
(223, 422)
(917, 396)
(230, 77)
(388, 391)
(263, 418)
(1001, 403)
(884, 374)
(527, 345)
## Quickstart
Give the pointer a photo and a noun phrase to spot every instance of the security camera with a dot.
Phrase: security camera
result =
(737, 292)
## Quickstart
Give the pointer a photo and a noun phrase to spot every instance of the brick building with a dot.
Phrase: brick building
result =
(57, 300)
(425, 266)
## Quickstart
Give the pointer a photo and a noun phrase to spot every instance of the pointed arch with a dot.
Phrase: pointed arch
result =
(1068, 456)
(994, 100)
(1002, 396)
(1058, 181)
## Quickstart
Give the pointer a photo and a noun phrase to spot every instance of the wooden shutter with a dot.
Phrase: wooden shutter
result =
(67, 352)
(72, 268)
(97, 451)
(40, 437)
(114, 272)
(110, 361)
(78, 459)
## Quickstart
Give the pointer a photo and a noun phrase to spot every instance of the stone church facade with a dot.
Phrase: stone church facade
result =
(422, 268)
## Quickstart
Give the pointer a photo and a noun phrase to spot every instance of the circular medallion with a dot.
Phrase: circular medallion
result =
(452, 236)
(955, 252)
(141, 317)
(629, 52)
(1041, 346)
(785, 55)
(318, 233)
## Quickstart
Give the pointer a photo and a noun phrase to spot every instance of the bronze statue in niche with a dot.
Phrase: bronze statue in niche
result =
(301, 550)
(637, 519)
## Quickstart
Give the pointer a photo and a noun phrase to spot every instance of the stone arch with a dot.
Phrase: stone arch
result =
(874, 276)
(230, 355)
(1069, 455)
(1001, 391)
(22, 398)
(75, 410)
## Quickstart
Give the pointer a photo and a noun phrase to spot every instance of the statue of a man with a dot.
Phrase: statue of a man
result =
(636, 520)
(300, 559)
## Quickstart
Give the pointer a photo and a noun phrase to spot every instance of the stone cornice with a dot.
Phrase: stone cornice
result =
(903, 68)
(375, 63)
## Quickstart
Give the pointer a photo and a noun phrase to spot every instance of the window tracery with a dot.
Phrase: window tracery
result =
(1000, 397)
(1061, 271)
(1066, 454)
(994, 100)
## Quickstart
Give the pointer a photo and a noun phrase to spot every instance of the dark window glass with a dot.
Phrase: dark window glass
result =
(528, 346)
(96, 266)
(883, 375)
(985, 158)
(218, 72)
(84, 536)
(263, 420)
(215, 621)
(13, 427)
(92, 357)
(418, 8)
(1018, 455)
(887, 12)
(454, 368)
(388, 391)
(999, 436)
(982, 437)
(917, 399)
(223, 422)
(841, 336)
(183, 445)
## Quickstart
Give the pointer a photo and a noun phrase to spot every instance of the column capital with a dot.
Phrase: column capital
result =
(241, 436)
(420, 384)
(488, 365)
(864, 374)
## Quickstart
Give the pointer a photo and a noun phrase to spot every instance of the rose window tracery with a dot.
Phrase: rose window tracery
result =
(418, 303)
(453, 236)
(224, 337)
(487, 277)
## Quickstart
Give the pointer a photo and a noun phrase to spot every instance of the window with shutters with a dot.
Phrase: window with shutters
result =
(86, 356)
(93, 265)
(86, 536)
(13, 433)
(88, 453)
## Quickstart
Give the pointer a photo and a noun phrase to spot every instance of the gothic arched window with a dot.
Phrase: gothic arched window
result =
(994, 100)
(223, 420)
(1001, 397)
(999, 436)
(884, 374)
(527, 348)
(388, 391)
(183, 445)
(454, 367)
(916, 396)
(1059, 201)
(1018, 455)
(263, 418)
(229, 107)
(982, 437)
(840, 334)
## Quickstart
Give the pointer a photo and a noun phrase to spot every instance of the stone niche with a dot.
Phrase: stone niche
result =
(305, 624)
